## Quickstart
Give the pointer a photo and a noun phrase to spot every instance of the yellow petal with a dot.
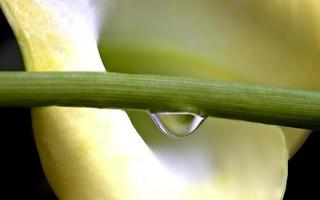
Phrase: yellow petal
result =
(294, 139)
(273, 42)
(245, 160)
(97, 154)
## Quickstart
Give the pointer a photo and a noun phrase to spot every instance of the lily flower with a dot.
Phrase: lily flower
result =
(92, 153)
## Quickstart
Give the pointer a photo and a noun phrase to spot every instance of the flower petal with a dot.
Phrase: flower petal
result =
(94, 153)
(237, 160)
(264, 41)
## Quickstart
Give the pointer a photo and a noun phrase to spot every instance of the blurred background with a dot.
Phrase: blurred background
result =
(22, 176)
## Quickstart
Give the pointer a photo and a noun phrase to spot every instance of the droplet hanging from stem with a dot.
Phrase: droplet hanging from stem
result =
(177, 125)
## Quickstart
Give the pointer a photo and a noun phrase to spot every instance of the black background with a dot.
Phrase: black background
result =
(21, 175)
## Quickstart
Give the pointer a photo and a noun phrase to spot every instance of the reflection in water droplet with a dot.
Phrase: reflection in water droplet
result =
(177, 124)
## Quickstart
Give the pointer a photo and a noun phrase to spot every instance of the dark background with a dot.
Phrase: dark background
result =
(21, 176)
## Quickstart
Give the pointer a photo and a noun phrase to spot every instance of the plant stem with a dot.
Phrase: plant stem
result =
(257, 103)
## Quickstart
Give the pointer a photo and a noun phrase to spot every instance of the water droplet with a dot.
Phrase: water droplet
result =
(177, 124)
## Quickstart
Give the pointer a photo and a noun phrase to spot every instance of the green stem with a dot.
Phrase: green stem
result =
(257, 103)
